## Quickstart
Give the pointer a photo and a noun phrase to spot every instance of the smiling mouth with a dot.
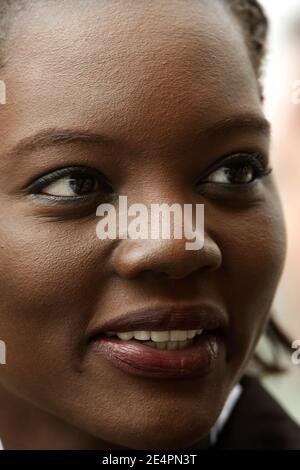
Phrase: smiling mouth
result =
(163, 340)
(176, 358)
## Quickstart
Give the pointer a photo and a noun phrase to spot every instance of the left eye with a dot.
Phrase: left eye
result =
(73, 182)
(238, 169)
(71, 186)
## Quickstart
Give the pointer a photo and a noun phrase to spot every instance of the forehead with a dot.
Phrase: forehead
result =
(126, 63)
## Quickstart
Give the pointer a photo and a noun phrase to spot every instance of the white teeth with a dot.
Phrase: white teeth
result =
(191, 333)
(142, 335)
(157, 336)
(125, 336)
(178, 335)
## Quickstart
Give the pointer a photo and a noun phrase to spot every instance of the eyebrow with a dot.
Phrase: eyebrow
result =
(246, 121)
(54, 136)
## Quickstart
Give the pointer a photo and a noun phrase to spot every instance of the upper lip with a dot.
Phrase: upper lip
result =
(206, 317)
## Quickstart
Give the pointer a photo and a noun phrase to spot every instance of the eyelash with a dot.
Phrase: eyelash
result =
(238, 160)
(232, 161)
(43, 181)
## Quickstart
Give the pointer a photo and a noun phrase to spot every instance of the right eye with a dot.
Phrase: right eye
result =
(71, 183)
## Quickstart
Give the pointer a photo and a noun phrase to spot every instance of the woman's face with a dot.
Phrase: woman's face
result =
(172, 88)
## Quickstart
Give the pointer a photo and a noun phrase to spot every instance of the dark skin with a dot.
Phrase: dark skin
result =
(142, 74)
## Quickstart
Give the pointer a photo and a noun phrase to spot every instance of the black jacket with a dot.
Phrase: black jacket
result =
(258, 422)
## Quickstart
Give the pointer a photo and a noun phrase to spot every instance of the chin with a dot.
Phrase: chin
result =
(172, 439)
(162, 434)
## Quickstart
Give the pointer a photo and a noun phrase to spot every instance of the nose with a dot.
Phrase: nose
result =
(164, 258)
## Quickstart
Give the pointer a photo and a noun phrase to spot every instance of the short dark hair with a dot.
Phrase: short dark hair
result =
(255, 27)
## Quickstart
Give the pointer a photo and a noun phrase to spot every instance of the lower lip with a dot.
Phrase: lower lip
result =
(138, 359)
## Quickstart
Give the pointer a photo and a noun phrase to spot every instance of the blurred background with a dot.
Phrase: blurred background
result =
(282, 107)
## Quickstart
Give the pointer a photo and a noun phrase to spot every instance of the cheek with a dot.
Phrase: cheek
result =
(49, 280)
(254, 247)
